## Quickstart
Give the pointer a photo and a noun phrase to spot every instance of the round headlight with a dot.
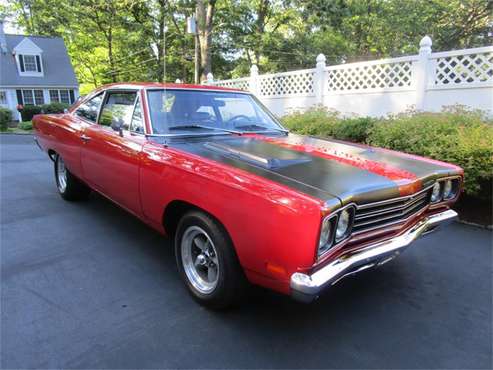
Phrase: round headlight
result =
(343, 224)
(324, 234)
(447, 190)
(435, 194)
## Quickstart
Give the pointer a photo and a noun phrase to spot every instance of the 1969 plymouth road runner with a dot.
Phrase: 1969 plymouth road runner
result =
(244, 199)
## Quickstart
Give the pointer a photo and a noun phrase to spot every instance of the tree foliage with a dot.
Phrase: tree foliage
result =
(119, 40)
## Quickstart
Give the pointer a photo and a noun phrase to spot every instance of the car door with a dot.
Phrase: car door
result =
(112, 149)
(69, 133)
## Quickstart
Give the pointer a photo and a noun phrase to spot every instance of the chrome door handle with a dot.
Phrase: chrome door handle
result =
(85, 138)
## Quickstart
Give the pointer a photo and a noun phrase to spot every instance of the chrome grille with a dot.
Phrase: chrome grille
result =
(393, 211)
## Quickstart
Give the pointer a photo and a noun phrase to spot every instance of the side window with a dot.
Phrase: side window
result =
(137, 124)
(89, 109)
(118, 107)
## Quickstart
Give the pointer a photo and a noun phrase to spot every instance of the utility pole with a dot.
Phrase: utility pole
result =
(165, 29)
(192, 29)
(196, 74)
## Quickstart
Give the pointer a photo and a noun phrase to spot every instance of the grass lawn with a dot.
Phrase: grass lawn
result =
(19, 128)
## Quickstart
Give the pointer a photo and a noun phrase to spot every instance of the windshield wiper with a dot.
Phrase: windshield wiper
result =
(186, 127)
(256, 128)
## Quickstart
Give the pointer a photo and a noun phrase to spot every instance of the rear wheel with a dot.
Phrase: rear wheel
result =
(69, 187)
(207, 261)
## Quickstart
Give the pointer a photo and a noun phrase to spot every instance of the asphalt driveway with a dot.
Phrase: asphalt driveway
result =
(86, 285)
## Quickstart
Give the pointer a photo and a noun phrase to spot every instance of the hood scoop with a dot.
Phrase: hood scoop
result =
(270, 163)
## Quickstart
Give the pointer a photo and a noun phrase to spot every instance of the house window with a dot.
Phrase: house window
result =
(3, 97)
(54, 97)
(28, 97)
(39, 98)
(33, 97)
(30, 63)
(62, 96)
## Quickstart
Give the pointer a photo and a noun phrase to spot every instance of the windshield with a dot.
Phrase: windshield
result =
(176, 111)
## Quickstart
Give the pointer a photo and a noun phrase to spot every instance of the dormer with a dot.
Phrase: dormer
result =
(28, 57)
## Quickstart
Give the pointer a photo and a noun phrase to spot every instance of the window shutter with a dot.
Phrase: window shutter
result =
(19, 97)
(21, 62)
(38, 63)
(72, 96)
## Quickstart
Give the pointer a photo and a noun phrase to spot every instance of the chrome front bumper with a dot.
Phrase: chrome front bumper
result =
(307, 287)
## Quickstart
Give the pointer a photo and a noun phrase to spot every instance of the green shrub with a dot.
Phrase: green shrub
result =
(319, 121)
(456, 135)
(54, 108)
(5, 118)
(353, 129)
(29, 111)
(27, 125)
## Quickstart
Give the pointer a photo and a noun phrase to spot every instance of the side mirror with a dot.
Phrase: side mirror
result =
(117, 125)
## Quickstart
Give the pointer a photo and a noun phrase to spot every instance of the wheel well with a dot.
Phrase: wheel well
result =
(174, 212)
(51, 154)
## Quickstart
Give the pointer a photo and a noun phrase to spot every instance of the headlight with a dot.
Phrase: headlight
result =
(325, 241)
(447, 189)
(435, 194)
(335, 231)
(450, 189)
(343, 224)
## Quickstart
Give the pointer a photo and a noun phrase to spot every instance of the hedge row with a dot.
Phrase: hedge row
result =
(456, 135)
(29, 111)
(5, 118)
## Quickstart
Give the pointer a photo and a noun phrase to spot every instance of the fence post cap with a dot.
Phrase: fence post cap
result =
(425, 42)
(210, 77)
(254, 69)
(321, 58)
(177, 81)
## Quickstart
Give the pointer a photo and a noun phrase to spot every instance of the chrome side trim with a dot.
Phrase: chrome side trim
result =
(307, 287)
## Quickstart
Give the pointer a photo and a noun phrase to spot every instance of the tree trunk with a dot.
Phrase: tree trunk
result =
(110, 54)
(205, 15)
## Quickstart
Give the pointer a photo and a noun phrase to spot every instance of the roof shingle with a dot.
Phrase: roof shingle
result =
(58, 70)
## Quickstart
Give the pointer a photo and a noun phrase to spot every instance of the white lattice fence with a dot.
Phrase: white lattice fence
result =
(238, 83)
(288, 83)
(427, 81)
(384, 74)
(464, 67)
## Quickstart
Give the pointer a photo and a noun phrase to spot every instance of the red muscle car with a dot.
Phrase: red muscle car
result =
(244, 199)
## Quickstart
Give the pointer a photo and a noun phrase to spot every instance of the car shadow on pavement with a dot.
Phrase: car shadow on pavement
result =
(371, 320)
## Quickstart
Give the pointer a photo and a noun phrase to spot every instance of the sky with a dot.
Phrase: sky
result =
(9, 25)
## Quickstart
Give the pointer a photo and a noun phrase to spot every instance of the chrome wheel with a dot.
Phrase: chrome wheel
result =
(61, 173)
(199, 258)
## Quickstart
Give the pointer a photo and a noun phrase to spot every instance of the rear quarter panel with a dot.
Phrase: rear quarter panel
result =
(60, 133)
(268, 224)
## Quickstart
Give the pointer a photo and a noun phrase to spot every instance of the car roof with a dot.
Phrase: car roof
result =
(123, 85)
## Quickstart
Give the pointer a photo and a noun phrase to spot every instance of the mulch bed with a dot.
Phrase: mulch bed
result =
(474, 210)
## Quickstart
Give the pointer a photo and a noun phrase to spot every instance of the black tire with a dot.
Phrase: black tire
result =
(73, 189)
(231, 282)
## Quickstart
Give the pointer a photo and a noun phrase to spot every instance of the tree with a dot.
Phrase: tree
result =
(119, 40)
(205, 17)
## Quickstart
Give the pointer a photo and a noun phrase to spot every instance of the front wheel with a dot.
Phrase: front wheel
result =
(207, 261)
(69, 187)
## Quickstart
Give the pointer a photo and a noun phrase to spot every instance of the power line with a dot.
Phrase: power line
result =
(114, 71)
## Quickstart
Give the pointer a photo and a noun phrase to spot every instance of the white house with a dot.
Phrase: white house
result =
(34, 70)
